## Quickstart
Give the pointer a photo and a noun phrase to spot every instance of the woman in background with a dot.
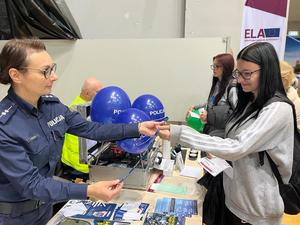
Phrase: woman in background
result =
(289, 79)
(222, 97)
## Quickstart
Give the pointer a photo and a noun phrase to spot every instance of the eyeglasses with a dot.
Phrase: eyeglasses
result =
(46, 72)
(214, 66)
(246, 75)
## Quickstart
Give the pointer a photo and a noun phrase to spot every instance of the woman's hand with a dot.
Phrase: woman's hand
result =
(203, 116)
(209, 155)
(104, 190)
(149, 128)
(164, 131)
(188, 112)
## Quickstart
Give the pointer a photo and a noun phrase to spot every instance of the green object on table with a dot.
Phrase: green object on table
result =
(194, 121)
(175, 189)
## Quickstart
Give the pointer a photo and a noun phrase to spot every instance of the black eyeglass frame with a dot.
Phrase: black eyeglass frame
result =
(236, 74)
(45, 72)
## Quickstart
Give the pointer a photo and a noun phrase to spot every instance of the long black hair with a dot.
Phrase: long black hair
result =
(264, 55)
(227, 62)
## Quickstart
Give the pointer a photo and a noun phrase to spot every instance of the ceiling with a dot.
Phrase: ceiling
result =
(294, 10)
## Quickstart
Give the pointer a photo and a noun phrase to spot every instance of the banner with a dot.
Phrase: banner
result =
(265, 20)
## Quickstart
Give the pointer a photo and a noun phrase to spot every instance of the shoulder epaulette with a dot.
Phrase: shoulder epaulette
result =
(50, 98)
(7, 111)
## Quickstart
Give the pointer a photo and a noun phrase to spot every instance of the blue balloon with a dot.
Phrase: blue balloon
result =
(151, 105)
(133, 145)
(108, 103)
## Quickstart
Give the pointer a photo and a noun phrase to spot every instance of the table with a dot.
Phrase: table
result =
(194, 192)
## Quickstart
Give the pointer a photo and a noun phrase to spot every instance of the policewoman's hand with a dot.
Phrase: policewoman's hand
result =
(149, 128)
(104, 190)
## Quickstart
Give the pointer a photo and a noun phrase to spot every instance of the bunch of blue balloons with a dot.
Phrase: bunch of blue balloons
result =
(112, 105)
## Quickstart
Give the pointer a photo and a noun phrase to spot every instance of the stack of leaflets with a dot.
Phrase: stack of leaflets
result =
(163, 219)
(72, 221)
(97, 211)
(172, 211)
(110, 223)
(131, 211)
(105, 213)
(177, 207)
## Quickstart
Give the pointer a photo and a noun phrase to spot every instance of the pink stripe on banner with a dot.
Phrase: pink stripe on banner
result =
(277, 7)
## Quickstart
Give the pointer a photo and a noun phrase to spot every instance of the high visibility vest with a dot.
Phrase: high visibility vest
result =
(70, 151)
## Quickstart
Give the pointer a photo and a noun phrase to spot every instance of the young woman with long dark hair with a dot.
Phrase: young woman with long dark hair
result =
(251, 190)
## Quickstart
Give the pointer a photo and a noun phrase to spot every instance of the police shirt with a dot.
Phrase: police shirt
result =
(31, 140)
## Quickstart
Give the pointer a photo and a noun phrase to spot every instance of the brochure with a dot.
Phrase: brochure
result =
(177, 207)
(97, 210)
(131, 211)
(163, 219)
(105, 212)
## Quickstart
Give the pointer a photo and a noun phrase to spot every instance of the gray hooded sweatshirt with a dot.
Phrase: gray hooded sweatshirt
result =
(252, 192)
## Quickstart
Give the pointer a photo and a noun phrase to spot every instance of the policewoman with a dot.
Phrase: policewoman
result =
(32, 127)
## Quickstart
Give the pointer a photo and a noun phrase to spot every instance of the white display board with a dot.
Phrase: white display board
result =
(174, 70)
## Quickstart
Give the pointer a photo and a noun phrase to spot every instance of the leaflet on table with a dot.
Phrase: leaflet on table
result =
(99, 211)
(131, 211)
(214, 165)
(191, 171)
(73, 207)
(110, 223)
(177, 207)
(159, 218)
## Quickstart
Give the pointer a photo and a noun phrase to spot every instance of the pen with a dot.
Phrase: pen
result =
(130, 171)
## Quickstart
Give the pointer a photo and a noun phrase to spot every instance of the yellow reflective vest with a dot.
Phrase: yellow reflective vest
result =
(70, 151)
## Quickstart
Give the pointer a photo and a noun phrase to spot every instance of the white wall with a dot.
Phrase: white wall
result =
(159, 18)
(129, 18)
(215, 18)
(175, 70)
(119, 19)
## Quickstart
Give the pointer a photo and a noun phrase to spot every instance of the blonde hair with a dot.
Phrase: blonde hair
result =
(287, 75)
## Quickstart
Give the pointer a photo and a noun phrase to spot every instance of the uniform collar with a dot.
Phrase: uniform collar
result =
(30, 109)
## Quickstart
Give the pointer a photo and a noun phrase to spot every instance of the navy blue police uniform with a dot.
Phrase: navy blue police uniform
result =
(31, 141)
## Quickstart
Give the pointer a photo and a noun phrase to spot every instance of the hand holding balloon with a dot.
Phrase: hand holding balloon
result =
(164, 131)
(149, 128)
